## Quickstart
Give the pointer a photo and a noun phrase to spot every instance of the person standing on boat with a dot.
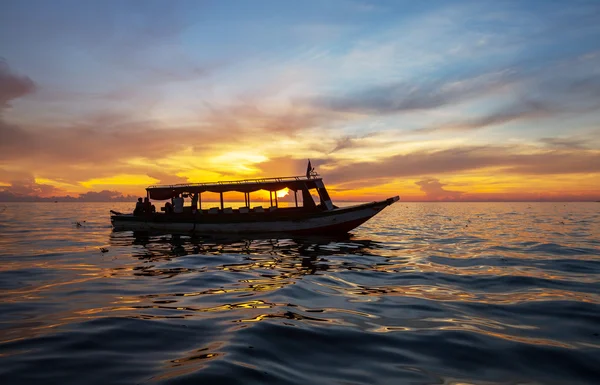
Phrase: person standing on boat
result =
(178, 204)
(139, 207)
(194, 203)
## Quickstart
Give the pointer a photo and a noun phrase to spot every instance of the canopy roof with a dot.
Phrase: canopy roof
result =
(245, 186)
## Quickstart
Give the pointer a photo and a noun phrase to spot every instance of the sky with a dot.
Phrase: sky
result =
(430, 100)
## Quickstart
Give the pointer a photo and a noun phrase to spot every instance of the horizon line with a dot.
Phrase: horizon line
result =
(75, 200)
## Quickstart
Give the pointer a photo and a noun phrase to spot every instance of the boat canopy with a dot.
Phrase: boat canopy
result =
(293, 183)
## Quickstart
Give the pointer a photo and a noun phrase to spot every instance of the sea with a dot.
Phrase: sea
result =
(424, 293)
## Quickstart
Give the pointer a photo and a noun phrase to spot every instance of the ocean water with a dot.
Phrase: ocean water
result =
(424, 293)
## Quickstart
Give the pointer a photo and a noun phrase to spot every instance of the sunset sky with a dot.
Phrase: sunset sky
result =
(429, 100)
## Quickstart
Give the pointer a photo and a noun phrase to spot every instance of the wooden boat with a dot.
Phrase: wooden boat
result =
(307, 219)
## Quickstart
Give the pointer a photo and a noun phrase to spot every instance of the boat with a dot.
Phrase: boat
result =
(307, 218)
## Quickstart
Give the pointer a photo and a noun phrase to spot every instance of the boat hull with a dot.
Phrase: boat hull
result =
(340, 220)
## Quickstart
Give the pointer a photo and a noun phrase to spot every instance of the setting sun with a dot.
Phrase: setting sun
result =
(282, 193)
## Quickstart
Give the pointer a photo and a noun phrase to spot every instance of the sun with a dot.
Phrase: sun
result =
(282, 193)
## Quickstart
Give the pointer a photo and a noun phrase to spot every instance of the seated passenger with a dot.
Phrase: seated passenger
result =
(147, 206)
(139, 207)
(168, 208)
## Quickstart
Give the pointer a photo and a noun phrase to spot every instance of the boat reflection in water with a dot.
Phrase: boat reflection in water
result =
(240, 284)
(297, 252)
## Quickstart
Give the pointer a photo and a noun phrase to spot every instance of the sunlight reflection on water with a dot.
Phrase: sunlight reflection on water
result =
(423, 293)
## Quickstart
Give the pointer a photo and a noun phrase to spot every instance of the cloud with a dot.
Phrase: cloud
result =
(287, 166)
(166, 178)
(465, 159)
(104, 144)
(434, 190)
(12, 86)
(520, 111)
(564, 143)
(106, 196)
(27, 187)
(8, 195)
(24, 188)
(402, 97)
(524, 91)
(353, 141)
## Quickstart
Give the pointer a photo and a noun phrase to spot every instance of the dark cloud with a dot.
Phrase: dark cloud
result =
(12, 86)
(346, 142)
(358, 174)
(564, 143)
(8, 195)
(434, 190)
(401, 97)
(24, 188)
(537, 93)
(468, 159)
(27, 187)
(519, 111)
(106, 196)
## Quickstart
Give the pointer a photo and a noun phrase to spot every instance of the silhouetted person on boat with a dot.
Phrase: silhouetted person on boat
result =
(139, 207)
(194, 203)
(147, 206)
(168, 208)
(178, 204)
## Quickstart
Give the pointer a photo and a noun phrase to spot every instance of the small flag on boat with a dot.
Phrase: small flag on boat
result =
(308, 170)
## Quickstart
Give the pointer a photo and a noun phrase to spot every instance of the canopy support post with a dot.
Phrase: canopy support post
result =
(221, 194)
(276, 203)
(271, 197)
(296, 197)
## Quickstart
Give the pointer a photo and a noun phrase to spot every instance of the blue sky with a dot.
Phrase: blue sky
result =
(372, 80)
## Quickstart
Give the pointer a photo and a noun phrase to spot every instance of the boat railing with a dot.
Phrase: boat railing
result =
(233, 182)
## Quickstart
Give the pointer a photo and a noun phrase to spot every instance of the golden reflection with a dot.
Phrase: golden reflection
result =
(190, 362)
(13, 295)
(291, 316)
(449, 294)
(498, 271)
(257, 270)
(255, 304)
(460, 325)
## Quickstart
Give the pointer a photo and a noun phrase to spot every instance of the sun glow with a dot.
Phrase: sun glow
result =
(283, 193)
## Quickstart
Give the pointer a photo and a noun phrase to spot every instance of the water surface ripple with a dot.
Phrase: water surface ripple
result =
(425, 293)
